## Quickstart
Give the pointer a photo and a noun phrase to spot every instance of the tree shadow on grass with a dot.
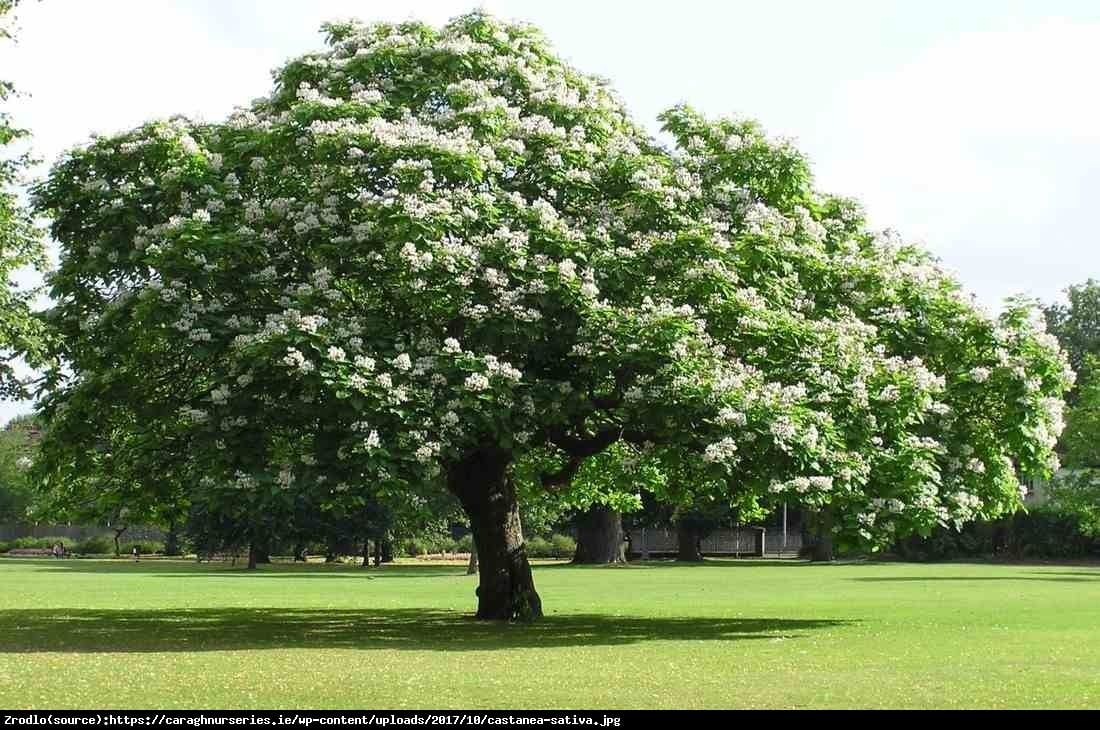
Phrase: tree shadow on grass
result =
(191, 569)
(226, 629)
(666, 563)
(1038, 576)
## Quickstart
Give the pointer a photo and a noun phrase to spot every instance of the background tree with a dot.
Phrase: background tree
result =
(604, 487)
(430, 252)
(17, 446)
(20, 246)
(1076, 324)
(1077, 490)
(692, 500)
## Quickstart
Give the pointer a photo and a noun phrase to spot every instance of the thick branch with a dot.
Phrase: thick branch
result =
(578, 449)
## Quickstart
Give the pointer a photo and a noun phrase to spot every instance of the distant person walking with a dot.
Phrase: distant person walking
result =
(136, 553)
(58, 550)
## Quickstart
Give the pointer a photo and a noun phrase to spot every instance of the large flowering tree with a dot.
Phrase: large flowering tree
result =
(431, 252)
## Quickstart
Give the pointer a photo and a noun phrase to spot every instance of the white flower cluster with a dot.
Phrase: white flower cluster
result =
(723, 451)
(295, 359)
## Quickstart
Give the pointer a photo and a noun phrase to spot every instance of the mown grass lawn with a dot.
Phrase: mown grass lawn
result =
(166, 634)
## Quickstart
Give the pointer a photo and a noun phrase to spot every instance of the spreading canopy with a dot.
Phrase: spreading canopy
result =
(429, 244)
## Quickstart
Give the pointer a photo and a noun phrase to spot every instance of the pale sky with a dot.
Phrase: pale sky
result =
(973, 126)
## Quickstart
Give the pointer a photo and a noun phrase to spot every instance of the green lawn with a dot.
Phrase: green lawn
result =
(752, 634)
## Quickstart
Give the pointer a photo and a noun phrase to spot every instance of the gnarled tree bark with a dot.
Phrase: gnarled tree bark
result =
(118, 538)
(599, 537)
(483, 485)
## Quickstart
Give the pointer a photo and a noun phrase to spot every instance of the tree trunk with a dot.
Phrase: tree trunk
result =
(118, 536)
(483, 485)
(252, 556)
(599, 537)
(172, 541)
(1000, 537)
(689, 548)
(377, 552)
(823, 548)
(366, 554)
(262, 550)
(471, 567)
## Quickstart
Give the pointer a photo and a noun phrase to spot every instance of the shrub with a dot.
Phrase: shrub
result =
(423, 545)
(314, 548)
(144, 547)
(563, 546)
(539, 547)
(464, 544)
(1043, 532)
(39, 543)
(1047, 533)
(96, 545)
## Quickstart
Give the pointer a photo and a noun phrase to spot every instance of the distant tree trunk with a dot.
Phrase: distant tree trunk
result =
(999, 538)
(172, 540)
(366, 554)
(377, 553)
(471, 567)
(688, 539)
(599, 537)
(118, 536)
(483, 484)
(823, 547)
(262, 550)
(387, 551)
(252, 556)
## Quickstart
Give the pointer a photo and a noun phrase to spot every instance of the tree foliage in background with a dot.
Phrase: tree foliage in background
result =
(1076, 324)
(1077, 489)
(21, 332)
(17, 448)
(431, 253)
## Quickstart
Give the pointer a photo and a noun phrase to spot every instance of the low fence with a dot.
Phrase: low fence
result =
(657, 542)
(728, 542)
(776, 543)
